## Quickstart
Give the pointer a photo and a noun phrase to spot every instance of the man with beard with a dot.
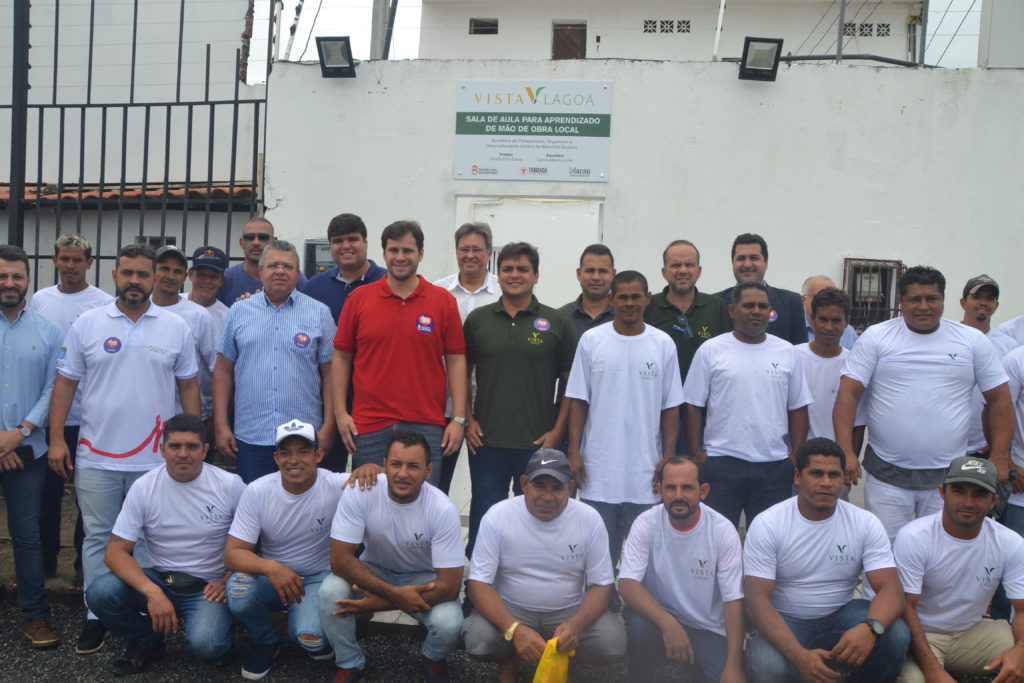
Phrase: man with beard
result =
(129, 358)
(30, 346)
(690, 317)
(691, 613)
(244, 279)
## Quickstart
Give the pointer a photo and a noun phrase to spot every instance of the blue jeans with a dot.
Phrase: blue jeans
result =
(373, 446)
(254, 461)
(443, 621)
(765, 664)
(251, 599)
(645, 647)
(739, 486)
(118, 605)
(100, 495)
(618, 519)
(491, 470)
(23, 491)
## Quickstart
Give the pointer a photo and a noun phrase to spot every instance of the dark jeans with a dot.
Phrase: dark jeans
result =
(618, 519)
(254, 461)
(336, 459)
(765, 664)
(491, 470)
(739, 486)
(646, 647)
(50, 510)
(23, 489)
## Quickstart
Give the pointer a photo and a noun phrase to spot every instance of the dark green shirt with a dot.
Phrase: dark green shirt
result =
(706, 318)
(517, 365)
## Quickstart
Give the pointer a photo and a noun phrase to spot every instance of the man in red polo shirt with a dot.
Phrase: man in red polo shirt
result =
(399, 343)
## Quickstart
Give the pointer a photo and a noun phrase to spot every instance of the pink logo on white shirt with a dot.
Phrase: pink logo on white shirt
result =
(112, 345)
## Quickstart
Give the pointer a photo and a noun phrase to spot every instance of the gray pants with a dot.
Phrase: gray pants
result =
(605, 637)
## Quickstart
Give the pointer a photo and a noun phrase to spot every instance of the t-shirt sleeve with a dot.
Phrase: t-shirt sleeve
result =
(698, 380)
(246, 524)
(185, 365)
(1014, 374)
(671, 384)
(1013, 569)
(863, 358)
(760, 553)
(71, 361)
(227, 345)
(349, 522)
(454, 338)
(578, 386)
(484, 564)
(598, 561)
(799, 392)
(636, 551)
(730, 564)
(327, 331)
(446, 549)
(910, 561)
(988, 370)
(133, 514)
(345, 336)
(877, 552)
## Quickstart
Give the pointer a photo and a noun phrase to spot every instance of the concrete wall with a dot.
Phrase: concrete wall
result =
(828, 162)
(616, 30)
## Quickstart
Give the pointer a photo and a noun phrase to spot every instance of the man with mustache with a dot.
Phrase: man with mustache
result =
(694, 612)
(129, 357)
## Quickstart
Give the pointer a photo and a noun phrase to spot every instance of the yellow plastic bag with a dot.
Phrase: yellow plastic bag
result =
(554, 665)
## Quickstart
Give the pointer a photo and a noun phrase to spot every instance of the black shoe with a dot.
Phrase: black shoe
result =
(434, 671)
(259, 660)
(92, 637)
(137, 658)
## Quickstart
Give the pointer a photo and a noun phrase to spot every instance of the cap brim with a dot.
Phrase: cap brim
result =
(970, 480)
(557, 474)
(296, 436)
(208, 265)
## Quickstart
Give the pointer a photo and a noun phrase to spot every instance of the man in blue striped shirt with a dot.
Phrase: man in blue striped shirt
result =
(274, 359)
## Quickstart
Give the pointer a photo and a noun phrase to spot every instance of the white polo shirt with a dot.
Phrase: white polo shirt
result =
(185, 525)
(918, 403)
(64, 309)
(748, 390)
(957, 578)
(291, 529)
(126, 376)
(693, 573)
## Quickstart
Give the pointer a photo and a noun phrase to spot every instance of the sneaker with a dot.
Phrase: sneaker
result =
(434, 671)
(40, 633)
(322, 655)
(92, 637)
(137, 657)
(349, 675)
(259, 660)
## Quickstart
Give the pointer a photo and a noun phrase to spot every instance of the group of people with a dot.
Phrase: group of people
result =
(673, 416)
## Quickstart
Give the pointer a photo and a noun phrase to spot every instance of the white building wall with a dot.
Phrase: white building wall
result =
(828, 162)
(616, 29)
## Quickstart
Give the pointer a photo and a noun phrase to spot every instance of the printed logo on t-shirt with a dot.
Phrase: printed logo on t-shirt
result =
(319, 526)
(301, 340)
(211, 516)
(704, 332)
(702, 570)
(419, 540)
(842, 557)
(61, 356)
(773, 316)
(573, 555)
(650, 370)
(425, 323)
(990, 577)
(535, 339)
(111, 344)
(952, 356)
(542, 324)
(776, 370)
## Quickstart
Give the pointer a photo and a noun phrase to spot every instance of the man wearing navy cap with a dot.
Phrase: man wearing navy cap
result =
(207, 277)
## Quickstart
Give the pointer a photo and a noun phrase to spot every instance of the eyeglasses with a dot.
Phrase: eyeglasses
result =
(683, 325)
(253, 236)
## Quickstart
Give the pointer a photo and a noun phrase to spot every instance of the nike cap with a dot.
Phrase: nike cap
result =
(296, 428)
(976, 471)
(550, 462)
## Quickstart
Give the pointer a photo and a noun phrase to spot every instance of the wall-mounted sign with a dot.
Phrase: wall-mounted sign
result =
(533, 130)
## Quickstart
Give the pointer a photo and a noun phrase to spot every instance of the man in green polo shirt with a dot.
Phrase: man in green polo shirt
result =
(688, 316)
(522, 351)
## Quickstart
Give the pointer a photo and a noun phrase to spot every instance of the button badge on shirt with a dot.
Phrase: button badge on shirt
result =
(111, 344)
(425, 323)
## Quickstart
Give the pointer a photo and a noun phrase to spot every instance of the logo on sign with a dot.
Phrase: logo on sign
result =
(301, 340)
(425, 323)
(542, 324)
(112, 345)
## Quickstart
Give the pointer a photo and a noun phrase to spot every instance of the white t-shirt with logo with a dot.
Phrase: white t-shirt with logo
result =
(291, 529)
(64, 309)
(537, 565)
(1013, 362)
(693, 573)
(185, 525)
(815, 565)
(822, 376)
(918, 404)
(126, 375)
(420, 536)
(976, 438)
(748, 390)
(201, 324)
(956, 579)
(627, 381)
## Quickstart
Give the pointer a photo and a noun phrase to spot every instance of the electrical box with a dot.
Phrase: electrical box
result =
(317, 257)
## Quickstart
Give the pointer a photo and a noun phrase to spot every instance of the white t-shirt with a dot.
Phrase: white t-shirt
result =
(627, 381)
(822, 376)
(918, 408)
(64, 309)
(201, 324)
(692, 574)
(1013, 328)
(291, 529)
(218, 312)
(748, 390)
(956, 579)
(1013, 362)
(815, 565)
(543, 566)
(126, 376)
(185, 525)
(420, 536)
(976, 438)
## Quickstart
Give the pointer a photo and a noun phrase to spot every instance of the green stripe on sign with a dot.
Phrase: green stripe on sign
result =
(492, 123)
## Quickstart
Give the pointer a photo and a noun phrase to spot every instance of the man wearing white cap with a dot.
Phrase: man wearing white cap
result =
(541, 569)
(288, 513)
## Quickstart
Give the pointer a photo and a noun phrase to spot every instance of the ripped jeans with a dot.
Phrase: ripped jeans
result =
(251, 599)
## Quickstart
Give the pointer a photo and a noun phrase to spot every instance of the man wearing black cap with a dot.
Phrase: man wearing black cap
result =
(207, 277)
(950, 564)
(534, 555)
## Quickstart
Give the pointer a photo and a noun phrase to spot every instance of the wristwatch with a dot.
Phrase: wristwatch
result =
(25, 431)
(511, 632)
(461, 420)
(877, 627)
